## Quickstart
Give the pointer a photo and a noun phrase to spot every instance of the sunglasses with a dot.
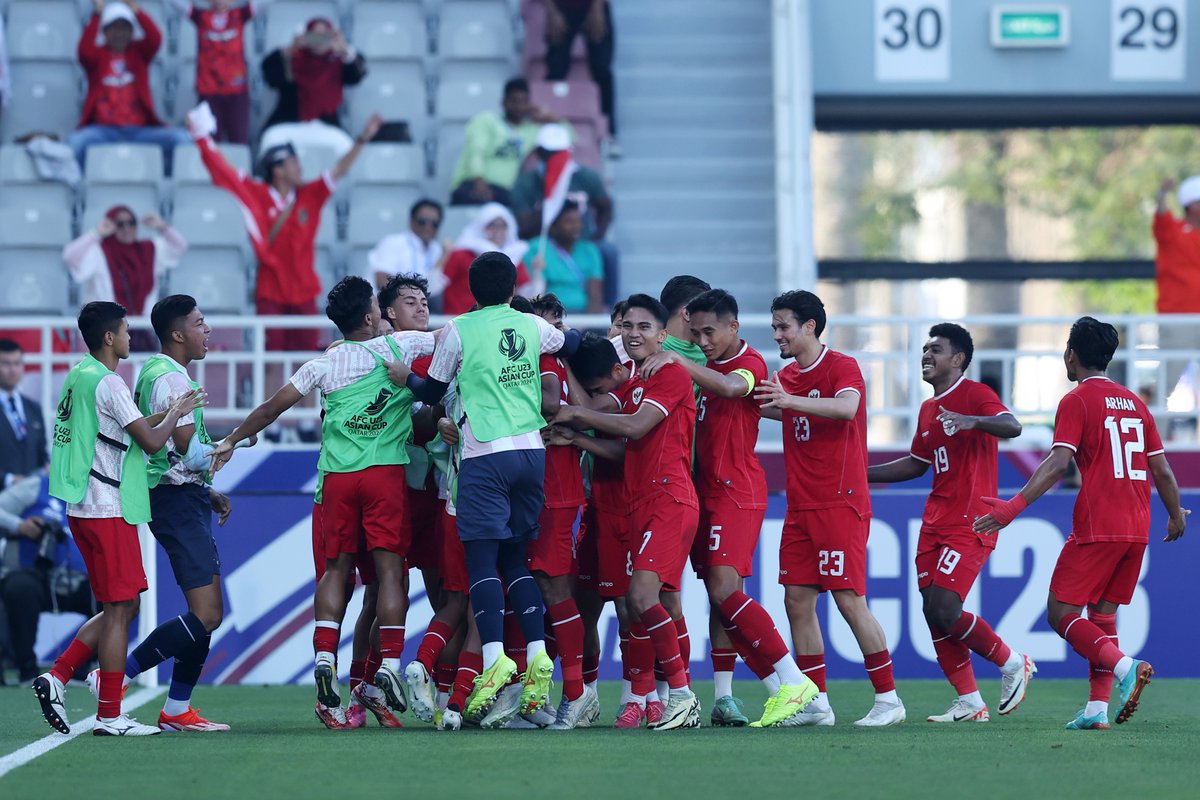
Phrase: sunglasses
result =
(429, 222)
(125, 223)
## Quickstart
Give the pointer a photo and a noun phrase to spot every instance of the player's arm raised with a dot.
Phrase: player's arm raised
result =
(843, 405)
(1168, 493)
(902, 469)
(152, 432)
(1048, 473)
(630, 426)
(258, 419)
(735, 384)
(1002, 426)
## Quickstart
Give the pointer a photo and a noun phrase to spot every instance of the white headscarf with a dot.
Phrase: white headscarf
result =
(474, 237)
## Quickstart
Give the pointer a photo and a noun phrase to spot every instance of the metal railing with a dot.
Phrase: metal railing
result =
(1023, 354)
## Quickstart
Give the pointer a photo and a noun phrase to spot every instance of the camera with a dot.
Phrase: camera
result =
(52, 536)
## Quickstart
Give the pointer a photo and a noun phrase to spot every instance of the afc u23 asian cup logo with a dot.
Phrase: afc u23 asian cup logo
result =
(512, 344)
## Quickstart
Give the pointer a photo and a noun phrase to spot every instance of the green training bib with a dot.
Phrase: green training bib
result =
(499, 382)
(368, 422)
(155, 367)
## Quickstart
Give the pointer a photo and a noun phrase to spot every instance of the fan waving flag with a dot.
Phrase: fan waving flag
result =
(560, 166)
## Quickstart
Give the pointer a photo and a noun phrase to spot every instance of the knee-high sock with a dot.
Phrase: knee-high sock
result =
(665, 638)
(1101, 679)
(186, 674)
(755, 660)
(568, 632)
(640, 659)
(813, 665)
(954, 657)
(1089, 641)
(879, 670)
(74, 657)
(976, 634)
(436, 636)
(755, 623)
(469, 666)
(166, 641)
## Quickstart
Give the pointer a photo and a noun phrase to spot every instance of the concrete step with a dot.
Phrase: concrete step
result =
(642, 49)
(693, 17)
(720, 113)
(697, 201)
(695, 84)
(711, 173)
(681, 236)
(684, 142)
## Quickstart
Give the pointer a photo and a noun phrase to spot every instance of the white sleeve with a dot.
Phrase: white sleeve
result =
(447, 357)
(414, 344)
(311, 376)
(551, 337)
(113, 398)
(167, 388)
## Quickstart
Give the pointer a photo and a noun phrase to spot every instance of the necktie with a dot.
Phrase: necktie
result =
(19, 427)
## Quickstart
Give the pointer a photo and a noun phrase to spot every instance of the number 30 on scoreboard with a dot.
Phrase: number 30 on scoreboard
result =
(912, 40)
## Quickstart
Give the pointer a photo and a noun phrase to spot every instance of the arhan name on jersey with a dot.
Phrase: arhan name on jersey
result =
(1119, 404)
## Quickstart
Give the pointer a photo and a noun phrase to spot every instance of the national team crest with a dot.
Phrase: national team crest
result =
(220, 20)
(637, 395)
(512, 344)
(814, 392)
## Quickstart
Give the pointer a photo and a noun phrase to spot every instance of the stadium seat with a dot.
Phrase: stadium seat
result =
(455, 219)
(45, 198)
(124, 163)
(371, 221)
(576, 101)
(189, 169)
(158, 89)
(450, 140)
(43, 29)
(215, 276)
(391, 29)
(389, 163)
(356, 262)
(475, 29)
(329, 268)
(206, 215)
(327, 228)
(163, 17)
(286, 18)
(143, 199)
(16, 166)
(34, 226)
(315, 159)
(396, 90)
(466, 88)
(33, 281)
(46, 96)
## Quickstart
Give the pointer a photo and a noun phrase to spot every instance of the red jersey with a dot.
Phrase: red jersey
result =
(661, 461)
(826, 458)
(119, 83)
(1113, 435)
(726, 434)
(285, 247)
(564, 478)
(964, 465)
(608, 477)
(220, 53)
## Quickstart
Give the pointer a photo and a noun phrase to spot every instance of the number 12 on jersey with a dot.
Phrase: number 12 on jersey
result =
(1122, 456)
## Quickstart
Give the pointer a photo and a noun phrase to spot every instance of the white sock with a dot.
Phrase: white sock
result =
(491, 653)
(533, 648)
(820, 703)
(973, 699)
(325, 657)
(391, 663)
(627, 695)
(772, 683)
(1122, 668)
(641, 699)
(443, 700)
(888, 697)
(1095, 707)
(125, 681)
(664, 690)
(173, 708)
(371, 690)
(787, 671)
(722, 684)
(592, 685)
(1015, 661)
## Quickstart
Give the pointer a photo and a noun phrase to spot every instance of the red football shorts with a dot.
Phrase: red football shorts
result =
(364, 562)
(726, 536)
(609, 535)
(825, 547)
(1089, 573)
(303, 339)
(424, 508)
(453, 563)
(553, 551)
(660, 538)
(369, 506)
(587, 559)
(952, 558)
(113, 556)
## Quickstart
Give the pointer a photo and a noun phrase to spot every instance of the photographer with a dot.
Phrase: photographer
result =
(40, 567)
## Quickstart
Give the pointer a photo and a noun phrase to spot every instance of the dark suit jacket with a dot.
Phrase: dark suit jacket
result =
(23, 458)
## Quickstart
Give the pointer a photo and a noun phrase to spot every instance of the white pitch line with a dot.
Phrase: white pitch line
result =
(42, 746)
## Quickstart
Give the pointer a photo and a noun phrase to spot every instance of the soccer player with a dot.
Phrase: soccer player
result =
(1111, 435)
(182, 502)
(493, 352)
(732, 490)
(96, 466)
(366, 423)
(820, 397)
(658, 419)
(957, 432)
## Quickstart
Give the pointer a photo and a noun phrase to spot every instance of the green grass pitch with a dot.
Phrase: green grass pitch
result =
(277, 749)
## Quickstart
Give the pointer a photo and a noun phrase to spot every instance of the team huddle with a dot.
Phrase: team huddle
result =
(532, 473)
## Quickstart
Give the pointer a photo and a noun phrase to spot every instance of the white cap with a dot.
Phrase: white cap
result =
(553, 138)
(1189, 191)
(116, 11)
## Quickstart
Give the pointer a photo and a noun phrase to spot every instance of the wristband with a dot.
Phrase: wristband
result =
(1005, 511)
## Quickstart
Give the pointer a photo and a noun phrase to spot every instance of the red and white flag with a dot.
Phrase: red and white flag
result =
(560, 166)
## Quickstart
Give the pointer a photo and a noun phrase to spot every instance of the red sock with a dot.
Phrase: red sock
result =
(548, 637)
(357, 670)
(753, 658)
(514, 640)
(469, 666)
(639, 661)
(591, 667)
(325, 637)
(660, 674)
(685, 647)
(445, 677)
(976, 634)
(954, 657)
(374, 660)
(1101, 679)
(391, 640)
(665, 638)
(75, 656)
(755, 623)
(813, 665)
(879, 670)
(724, 660)
(110, 694)
(623, 643)
(435, 638)
(1089, 641)
(568, 632)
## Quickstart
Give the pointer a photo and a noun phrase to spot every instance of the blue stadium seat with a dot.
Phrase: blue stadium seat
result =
(396, 90)
(205, 215)
(455, 219)
(327, 228)
(450, 140)
(389, 163)
(47, 199)
(141, 198)
(465, 90)
(16, 166)
(190, 169)
(475, 29)
(43, 29)
(124, 163)
(215, 276)
(329, 267)
(286, 18)
(46, 96)
(33, 280)
(371, 221)
(391, 29)
(31, 226)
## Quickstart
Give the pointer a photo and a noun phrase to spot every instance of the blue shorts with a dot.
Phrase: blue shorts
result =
(181, 521)
(500, 496)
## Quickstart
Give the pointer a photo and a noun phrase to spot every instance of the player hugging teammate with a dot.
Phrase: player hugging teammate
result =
(459, 452)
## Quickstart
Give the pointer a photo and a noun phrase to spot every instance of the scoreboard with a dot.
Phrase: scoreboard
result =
(991, 63)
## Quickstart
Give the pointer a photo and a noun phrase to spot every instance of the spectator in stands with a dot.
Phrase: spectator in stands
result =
(496, 146)
(37, 573)
(118, 106)
(22, 431)
(282, 215)
(221, 76)
(417, 250)
(568, 265)
(586, 189)
(1177, 263)
(493, 228)
(564, 20)
(111, 263)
